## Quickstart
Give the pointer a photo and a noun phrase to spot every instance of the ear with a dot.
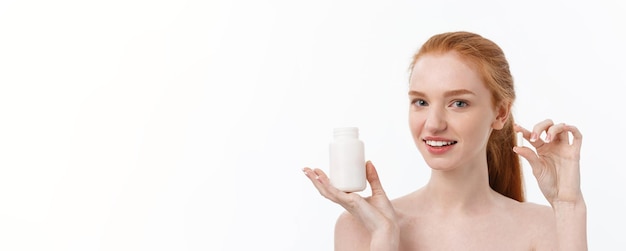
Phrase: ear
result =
(502, 115)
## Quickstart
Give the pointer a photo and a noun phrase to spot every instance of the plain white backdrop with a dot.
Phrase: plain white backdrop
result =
(184, 125)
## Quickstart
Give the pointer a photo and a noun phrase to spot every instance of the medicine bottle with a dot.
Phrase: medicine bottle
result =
(347, 160)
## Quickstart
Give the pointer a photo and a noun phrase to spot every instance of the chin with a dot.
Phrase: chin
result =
(440, 164)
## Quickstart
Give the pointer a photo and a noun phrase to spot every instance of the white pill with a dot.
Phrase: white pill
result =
(520, 139)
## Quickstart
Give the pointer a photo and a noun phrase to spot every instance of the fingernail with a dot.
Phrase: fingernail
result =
(548, 138)
(533, 137)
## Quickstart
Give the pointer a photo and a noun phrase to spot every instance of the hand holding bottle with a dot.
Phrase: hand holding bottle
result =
(375, 212)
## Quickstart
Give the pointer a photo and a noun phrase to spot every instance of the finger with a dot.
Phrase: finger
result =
(531, 157)
(324, 181)
(347, 200)
(528, 136)
(577, 139)
(313, 178)
(535, 135)
(373, 179)
(577, 136)
(557, 133)
(352, 202)
(318, 182)
(540, 128)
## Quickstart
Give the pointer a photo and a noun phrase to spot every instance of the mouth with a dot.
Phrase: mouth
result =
(439, 143)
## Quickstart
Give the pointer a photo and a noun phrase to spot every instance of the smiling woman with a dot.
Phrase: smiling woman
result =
(468, 62)
(461, 93)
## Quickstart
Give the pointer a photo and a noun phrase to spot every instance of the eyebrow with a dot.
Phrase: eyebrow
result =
(445, 94)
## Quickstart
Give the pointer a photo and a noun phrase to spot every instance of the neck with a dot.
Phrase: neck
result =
(463, 189)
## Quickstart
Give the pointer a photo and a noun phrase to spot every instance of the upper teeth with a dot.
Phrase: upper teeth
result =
(438, 143)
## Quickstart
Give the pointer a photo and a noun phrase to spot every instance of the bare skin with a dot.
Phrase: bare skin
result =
(499, 224)
(456, 209)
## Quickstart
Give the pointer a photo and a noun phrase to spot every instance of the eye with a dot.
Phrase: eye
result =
(459, 103)
(419, 102)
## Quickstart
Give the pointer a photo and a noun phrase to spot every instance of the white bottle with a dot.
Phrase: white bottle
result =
(347, 160)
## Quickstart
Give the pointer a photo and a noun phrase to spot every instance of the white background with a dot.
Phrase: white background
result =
(184, 125)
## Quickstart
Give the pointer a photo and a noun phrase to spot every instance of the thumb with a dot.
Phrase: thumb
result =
(372, 178)
(530, 156)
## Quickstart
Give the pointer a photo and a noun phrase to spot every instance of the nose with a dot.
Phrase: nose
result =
(435, 121)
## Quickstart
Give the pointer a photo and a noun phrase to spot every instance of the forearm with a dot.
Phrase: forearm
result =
(571, 225)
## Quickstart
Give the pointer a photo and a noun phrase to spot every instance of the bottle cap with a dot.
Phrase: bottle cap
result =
(346, 131)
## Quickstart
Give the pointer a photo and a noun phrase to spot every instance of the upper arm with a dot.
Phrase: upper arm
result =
(350, 234)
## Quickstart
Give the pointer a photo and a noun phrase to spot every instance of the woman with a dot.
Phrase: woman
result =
(461, 93)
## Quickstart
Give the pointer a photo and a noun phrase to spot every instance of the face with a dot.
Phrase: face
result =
(451, 112)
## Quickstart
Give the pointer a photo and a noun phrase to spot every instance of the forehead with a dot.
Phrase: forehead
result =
(444, 72)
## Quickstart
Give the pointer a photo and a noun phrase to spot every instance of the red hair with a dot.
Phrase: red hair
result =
(505, 173)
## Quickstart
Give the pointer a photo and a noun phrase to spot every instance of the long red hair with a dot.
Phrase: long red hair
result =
(505, 173)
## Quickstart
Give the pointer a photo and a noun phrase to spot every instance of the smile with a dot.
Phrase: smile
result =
(437, 143)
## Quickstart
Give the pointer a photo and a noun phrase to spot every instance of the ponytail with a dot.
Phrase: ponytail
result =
(505, 174)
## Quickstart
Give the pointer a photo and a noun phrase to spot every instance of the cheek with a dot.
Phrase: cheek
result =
(415, 124)
(480, 130)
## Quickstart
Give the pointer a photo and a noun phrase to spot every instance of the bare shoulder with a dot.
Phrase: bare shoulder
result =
(347, 221)
(538, 214)
(538, 221)
(350, 234)
(533, 208)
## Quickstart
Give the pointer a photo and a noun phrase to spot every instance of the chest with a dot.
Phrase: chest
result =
(432, 233)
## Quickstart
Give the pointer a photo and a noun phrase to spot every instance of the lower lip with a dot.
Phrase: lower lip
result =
(438, 149)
